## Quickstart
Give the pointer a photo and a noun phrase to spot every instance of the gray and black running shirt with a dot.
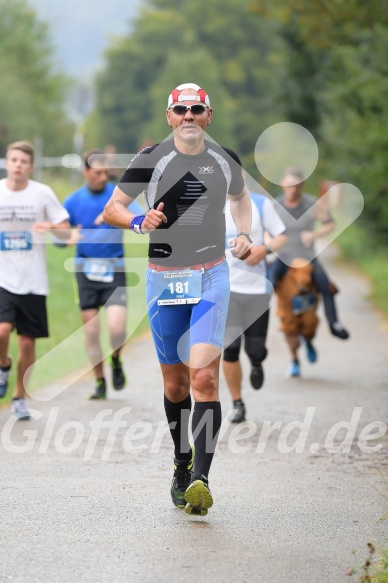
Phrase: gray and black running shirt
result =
(296, 220)
(193, 190)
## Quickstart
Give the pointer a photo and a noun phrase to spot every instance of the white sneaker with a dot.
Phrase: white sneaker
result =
(237, 414)
(4, 376)
(20, 409)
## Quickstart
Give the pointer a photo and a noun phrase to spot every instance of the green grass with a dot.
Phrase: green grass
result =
(356, 245)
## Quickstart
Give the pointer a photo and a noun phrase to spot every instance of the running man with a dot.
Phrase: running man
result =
(187, 181)
(28, 209)
(250, 295)
(100, 269)
(300, 212)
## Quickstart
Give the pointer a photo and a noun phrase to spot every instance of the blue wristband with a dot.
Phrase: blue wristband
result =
(135, 224)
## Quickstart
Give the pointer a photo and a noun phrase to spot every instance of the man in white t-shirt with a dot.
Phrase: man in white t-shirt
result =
(28, 209)
(250, 294)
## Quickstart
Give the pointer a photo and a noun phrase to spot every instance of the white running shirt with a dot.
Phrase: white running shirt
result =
(22, 252)
(246, 279)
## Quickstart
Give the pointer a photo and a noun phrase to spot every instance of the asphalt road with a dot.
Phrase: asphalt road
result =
(89, 503)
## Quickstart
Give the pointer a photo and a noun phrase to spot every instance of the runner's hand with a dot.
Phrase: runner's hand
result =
(258, 253)
(75, 236)
(240, 247)
(154, 218)
(307, 238)
(99, 220)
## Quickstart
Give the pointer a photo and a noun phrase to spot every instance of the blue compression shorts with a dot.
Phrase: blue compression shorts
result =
(175, 329)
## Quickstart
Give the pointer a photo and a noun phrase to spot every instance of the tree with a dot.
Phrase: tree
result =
(325, 23)
(346, 44)
(355, 121)
(31, 97)
(227, 51)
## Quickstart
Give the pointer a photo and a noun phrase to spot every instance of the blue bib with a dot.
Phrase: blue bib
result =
(302, 303)
(99, 270)
(14, 241)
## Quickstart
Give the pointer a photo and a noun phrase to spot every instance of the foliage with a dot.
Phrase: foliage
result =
(325, 23)
(321, 64)
(356, 111)
(337, 60)
(31, 97)
(357, 245)
(225, 51)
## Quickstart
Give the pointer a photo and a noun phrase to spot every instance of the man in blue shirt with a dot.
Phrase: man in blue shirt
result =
(100, 269)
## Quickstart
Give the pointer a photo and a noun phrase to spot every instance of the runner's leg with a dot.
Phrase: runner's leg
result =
(116, 319)
(91, 322)
(26, 360)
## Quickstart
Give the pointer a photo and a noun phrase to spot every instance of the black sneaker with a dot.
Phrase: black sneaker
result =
(118, 376)
(338, 330)
(198, 497)
(257, 376)
(238, 412)
(181, 480)
(99, 391)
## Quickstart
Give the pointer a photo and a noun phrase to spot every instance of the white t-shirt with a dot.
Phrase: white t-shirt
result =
(22, 252)
(246, 279)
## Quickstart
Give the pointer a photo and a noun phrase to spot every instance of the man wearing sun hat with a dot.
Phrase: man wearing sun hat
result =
(187, 181)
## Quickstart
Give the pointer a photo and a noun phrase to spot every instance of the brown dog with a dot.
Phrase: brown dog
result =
(296, 309)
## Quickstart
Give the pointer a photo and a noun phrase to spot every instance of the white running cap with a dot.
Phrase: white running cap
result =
(175, 94)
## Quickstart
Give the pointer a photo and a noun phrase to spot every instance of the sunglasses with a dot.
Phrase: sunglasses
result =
(196, 109)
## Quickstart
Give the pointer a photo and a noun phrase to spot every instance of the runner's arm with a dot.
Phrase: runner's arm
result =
(61, 230)
(241, 211)
(324, 216)
(260, 251)
(118, 215)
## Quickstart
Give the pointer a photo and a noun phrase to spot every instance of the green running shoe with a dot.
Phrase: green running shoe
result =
(99, 391)
(181, 479)
(118, 376)
(198, 497)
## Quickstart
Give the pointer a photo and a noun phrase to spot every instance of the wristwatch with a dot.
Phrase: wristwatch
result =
(249, 235)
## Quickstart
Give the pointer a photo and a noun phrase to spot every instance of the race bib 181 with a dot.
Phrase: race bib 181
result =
(179, 287)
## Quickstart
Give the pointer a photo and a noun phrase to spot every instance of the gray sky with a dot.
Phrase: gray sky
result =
(82, 29)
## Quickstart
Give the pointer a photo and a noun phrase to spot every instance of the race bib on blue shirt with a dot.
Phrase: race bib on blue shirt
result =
(99, 270)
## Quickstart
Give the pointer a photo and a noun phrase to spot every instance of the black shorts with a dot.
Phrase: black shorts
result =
(27, 313)
(93, 294)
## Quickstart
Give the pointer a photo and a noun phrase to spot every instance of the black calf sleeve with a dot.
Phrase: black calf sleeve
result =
(178, 418)
(206, 424)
